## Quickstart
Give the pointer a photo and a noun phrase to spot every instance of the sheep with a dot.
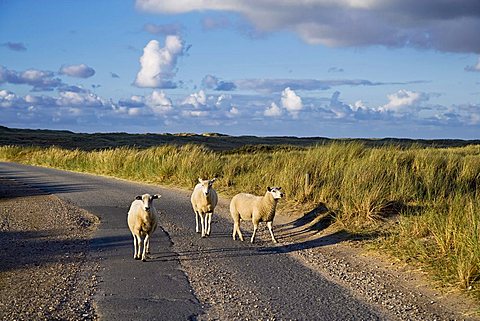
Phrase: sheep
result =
(204, 199)
(142, 221)
(255, 208)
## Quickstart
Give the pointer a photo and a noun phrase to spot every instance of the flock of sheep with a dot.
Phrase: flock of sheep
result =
(142, 217)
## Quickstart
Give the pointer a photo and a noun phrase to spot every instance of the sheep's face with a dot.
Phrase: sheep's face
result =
(275, 191)
(206, 185)
(147, 200)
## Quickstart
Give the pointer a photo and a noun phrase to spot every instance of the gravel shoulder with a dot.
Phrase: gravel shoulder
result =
(44, 270)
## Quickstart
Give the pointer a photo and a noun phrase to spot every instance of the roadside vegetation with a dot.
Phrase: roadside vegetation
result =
(421, 204)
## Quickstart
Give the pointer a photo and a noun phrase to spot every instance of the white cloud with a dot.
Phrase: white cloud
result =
(445, 25)
(7, 98)
(358, 105)
(273, 111)
(474, 68)
(158, 64)
(158, 102)
(291, 102)
(222, 99)
(80, 71)
(402, 100)
(233, 112)
(135, 111)
(71, 99)
(196, 99)
(339, 108)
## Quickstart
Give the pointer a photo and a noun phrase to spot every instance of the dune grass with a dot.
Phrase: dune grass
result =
(423, 202)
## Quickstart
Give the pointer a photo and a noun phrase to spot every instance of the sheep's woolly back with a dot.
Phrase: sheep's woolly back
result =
(247, 205)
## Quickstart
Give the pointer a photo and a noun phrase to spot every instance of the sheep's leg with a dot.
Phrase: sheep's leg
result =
(196, 222)
(139, 247)
(202, 221)
(270, 228)
(135, 247)
(145, 246)
(255, 226)
(240, 236)
(208, 222)
(236, 228)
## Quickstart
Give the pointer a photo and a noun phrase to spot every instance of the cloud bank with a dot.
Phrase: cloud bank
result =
(278, 85)
(288, 113)
(450, 26)
(40, 80)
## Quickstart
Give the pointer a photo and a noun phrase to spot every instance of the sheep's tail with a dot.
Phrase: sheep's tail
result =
(236, 220)
(233, 212)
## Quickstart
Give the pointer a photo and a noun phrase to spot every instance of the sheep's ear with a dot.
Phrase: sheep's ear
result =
(213, 179)
(199, 180)
(269, 189)
(138, 197)
(156, 196)
(279, 188)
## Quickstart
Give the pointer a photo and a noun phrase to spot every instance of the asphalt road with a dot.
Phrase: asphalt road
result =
(188, 277)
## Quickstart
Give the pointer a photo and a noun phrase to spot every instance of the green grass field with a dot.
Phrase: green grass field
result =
(420, 204)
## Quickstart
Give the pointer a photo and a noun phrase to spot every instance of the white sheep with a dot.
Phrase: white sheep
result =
(142, 221)
(255, 208)
(204, 199)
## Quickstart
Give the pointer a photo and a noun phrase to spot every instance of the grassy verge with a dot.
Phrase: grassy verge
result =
(423, 202)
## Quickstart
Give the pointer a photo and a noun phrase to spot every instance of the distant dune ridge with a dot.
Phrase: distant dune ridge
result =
(213, 141)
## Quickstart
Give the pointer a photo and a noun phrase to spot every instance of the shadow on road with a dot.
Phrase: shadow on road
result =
(21, 185)
(24, 249)
(100, 243)
(297, 235)
(300, 234)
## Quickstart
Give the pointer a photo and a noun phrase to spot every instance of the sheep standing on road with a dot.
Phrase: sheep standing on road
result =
(142, 221)
(204, 199)
(255, 208)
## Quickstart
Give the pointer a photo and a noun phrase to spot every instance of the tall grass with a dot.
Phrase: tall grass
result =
(432, 193)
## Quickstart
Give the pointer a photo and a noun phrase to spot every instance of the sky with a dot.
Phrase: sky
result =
(331, 68)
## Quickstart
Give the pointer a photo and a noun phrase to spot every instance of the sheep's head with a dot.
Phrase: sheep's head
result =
(147, 200)
(206, 184)
(275, 191)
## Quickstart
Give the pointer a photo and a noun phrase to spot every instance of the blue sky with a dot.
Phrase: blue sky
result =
(344, 68)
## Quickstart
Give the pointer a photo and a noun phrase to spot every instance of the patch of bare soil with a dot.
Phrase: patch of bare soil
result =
(44, 271)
